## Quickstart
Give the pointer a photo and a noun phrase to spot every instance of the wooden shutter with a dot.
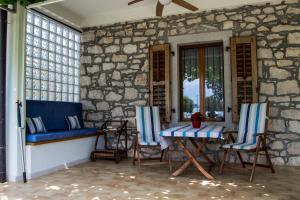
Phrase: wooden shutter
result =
(244, 73)
(160, 80)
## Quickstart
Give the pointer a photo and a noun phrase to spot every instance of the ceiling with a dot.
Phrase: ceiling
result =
(85, 13)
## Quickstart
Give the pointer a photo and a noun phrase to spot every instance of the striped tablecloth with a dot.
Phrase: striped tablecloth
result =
(205, 131)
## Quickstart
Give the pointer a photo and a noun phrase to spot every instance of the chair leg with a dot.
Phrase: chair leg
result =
(255, 159)
(170, 159)
(162, 155)
(134, 154)
(268, 158)
(223, 160)
(241, 158)
(138, 155)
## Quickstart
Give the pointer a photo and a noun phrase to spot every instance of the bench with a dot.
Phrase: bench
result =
(53, 115)
(58, 148)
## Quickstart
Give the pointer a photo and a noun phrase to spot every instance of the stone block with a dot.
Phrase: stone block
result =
(293, 52)
(294, 148)
(287, 87)
(130, 93)
(264, 53)
(119, 58)
(94, 49)
(277, 125)
(130, 48)
(112, 49)
(108, 66)
(140, 80)
(95, 94)
(294, 126)
(267, 88)
(101, 106)
(112, 96)
(277, 73)
(93, 69)
(294, 38)
(291, 114)
(117, 112)
(85, 80)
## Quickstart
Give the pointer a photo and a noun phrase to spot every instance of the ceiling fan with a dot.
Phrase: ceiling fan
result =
(161, 3)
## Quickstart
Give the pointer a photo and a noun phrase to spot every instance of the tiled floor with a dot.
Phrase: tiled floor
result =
(107, 180)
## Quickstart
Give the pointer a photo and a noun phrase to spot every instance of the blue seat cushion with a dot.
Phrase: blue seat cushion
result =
(58, 135)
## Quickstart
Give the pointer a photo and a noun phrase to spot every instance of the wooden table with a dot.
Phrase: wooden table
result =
(206, 132)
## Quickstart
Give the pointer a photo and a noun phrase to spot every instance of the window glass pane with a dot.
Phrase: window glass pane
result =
(214, 94)
(190, 77)
(51, 59)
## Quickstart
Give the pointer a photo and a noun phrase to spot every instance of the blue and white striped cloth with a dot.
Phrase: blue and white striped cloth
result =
(252, 121)
(148, 125)
(206, 131)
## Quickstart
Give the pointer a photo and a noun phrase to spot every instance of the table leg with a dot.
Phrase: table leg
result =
(192, 159)
(200, 150)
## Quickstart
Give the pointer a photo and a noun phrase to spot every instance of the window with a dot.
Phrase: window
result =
(52, 60)
(201, 81)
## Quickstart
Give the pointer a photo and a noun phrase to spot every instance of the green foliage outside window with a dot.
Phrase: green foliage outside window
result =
(188, 104)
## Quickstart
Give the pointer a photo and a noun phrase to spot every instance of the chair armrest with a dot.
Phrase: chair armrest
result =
(133, 130)
(228, 132)
(259, 134)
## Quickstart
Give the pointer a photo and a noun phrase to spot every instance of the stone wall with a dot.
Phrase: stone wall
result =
(114, 71)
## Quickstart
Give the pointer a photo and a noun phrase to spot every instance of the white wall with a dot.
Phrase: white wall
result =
(198, 39)
(14, 90)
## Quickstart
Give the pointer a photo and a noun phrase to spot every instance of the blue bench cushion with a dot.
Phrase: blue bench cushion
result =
(58, 135)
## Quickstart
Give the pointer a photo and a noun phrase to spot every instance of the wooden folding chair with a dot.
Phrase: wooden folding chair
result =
(252, 136)
(147, 134)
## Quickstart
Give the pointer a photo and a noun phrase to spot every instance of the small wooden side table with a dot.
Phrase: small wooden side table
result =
(116, 128)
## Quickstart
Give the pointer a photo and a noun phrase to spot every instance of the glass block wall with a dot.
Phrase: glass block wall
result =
(52, 60)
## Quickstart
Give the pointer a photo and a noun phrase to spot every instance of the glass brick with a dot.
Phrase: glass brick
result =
(76, 72)
(71, 53)
(45, 34)
(71, 44)
(64, 97)
(65, 60)
(65, 78)
(71, 71)
(37, 31)
(28, 72)
(51, 86)
(58, 58)
(45, 44)
(77, 38)
(71, 62)
(65, 69)
(29, 28)
(51, 66)
(58, 40)
(29, 39)
(58, 78)
(29, 94)
(77, 64)
(28, 61)
(44, 64)
(37, 42)
(71, 89)
(52, 37)
(44, 75)
(36, 63)
(28, 50)
(36, 73)
(65, 51)
(58, 97)
(51, 96)
(59, 30)
(64, 88)
(76, 80)
(51, 46)
(44, 95)
(51, 76)
(45, 24)
(58, 87)
(65, 42)
(29, 17)
(76, 89)
(36, 95)
(71, 35)
(51, 57)
(76, 98)
(65, 33)
(58, 49)
(36, 52)
(77, 46)
(44, 54)
(28, 83)
(44, 85)
(36, 84)
(52, 27)
(77, 55)
(37, 21)
(70, 97)
(71, 80)
(58, 68)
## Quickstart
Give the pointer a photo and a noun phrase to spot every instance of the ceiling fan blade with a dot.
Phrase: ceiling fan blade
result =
(134, 1)
(159, 9)
(185, 5)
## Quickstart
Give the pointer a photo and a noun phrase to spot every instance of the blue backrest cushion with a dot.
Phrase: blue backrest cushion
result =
(53, 113)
